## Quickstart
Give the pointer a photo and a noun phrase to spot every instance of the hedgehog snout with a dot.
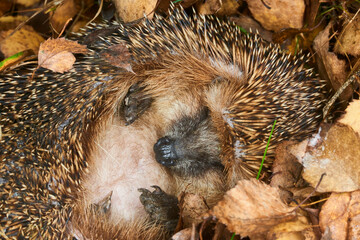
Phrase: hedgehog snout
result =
(165, 152)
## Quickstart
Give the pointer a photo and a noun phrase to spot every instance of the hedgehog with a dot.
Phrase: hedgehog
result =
(101, 152)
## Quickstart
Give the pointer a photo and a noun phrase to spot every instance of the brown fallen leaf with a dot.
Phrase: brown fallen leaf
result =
(27, 3)
(11, 22)
(330, 66)
(299, 229)
(348, 41)
(209, 7)
(23, 39)
(4, 7)
(130, 10)
(340, 216)
(218, 7)
(252, 208)
(334, 151)
(186, 234)
(56, 54)
(286, 171)
(118, 55)
(62, 14)
(250, 25)
(352, 116)
(193, 208)
(278, 14)
(187, 3)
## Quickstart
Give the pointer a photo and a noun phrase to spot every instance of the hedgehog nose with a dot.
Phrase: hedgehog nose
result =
(165, 153)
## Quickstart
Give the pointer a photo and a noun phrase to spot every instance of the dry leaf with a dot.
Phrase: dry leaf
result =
(4, 7)
(187, 3)
(329, 64)
(23, 39)
(27, 3)
(300, 229)
(62, 14)
(282, 13)
(228, 8)
(11, 22)
(286, 171)
(352, 116)
(209, 7)
(130, 10)
(218, 7)
(340, 216)
(186, 234)
(252, 208)
(250, 25)
(193, 208)
(117, 55)
(349, 39)
(334, 152)
(56, 54)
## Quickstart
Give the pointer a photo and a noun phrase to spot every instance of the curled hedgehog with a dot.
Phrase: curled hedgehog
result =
(103, 153)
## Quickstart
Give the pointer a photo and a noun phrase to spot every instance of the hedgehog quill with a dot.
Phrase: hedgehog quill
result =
(103, 153)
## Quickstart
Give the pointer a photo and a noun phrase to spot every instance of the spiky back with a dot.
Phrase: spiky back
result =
(42, 148)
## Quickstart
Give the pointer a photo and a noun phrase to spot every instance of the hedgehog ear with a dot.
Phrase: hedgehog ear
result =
(135, 103)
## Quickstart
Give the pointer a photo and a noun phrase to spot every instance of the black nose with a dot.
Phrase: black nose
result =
(165, 153)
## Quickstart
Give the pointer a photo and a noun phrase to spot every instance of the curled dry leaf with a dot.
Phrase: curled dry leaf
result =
(186, 234)
(56, 54)
(330, 66)
(282, 13)
(335, 152)
(193, 208)
(286, 171)
(299, 229)
(348, 42)
(23, 39)
(209, 7)
(62, 14)
(340, 216)
(218, 7)
(352, 116)
(252, 208)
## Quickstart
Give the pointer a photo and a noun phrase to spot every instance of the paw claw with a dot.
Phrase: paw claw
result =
(161, 207)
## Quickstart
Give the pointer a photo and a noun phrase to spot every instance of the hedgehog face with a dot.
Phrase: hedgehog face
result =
(190, 147)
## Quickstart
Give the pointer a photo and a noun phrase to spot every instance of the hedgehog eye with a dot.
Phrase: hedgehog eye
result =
(218, 79)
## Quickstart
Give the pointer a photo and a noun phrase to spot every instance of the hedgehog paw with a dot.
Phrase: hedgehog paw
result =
(161, 207)
(136, 102)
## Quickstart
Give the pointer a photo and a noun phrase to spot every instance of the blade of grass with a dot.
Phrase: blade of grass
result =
(267, 146)
(262, 161)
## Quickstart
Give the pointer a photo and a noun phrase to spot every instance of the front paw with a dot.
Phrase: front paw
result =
(161, 207)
